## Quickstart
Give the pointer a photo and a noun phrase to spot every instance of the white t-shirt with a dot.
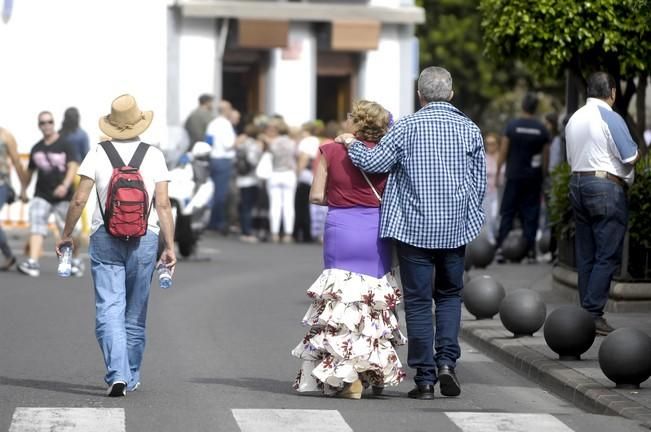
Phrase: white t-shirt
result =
(97, 166)
(220, 134)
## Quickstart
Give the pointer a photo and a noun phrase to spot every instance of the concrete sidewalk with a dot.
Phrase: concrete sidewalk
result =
(580, 382)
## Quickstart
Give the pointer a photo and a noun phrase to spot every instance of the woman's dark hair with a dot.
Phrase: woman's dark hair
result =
(600, 84)
(70, 121)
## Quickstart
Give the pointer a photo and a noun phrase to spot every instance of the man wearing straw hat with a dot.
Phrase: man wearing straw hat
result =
(122, 269)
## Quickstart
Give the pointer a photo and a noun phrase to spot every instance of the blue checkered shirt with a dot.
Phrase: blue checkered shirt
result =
(433, 198)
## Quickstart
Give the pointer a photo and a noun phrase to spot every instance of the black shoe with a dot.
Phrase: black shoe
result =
(117, 389)
(602, 328)
(422, 391)
(448, 381)
(499, 256)
(377, 390)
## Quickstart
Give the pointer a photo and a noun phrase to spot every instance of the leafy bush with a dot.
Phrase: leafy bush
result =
(639, 222)
(559, 207)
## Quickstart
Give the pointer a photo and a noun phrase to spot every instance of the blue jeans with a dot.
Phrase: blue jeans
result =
(122, 273)
(4, 245)
(416, 268)
(220, 173)
(601, 216)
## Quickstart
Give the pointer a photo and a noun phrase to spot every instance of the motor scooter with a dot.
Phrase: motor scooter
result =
(191, 192)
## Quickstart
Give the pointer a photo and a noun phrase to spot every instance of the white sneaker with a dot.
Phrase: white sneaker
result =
(117, 389)
(30, 268)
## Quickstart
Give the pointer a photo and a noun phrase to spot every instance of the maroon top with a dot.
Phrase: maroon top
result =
(346, 186)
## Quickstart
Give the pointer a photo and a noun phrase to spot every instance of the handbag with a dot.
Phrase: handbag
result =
(265, 166)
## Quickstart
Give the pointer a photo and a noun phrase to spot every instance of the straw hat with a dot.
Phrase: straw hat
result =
(126, 121)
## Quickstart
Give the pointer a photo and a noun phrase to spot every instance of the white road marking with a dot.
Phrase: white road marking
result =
(290, 420)
(505, 422)
(68, 420)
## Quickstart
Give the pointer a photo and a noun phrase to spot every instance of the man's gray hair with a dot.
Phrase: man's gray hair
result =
(435, 84)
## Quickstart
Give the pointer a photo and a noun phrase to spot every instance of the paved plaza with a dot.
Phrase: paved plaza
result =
(218, 358)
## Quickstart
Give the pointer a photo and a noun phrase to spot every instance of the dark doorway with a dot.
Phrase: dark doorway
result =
(243, 81)
(333, 96)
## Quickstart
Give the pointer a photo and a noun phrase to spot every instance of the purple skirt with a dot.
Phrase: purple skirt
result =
(352, 241)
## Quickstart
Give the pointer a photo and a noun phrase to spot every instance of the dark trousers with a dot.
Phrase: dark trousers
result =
(248, 198)
(302, 223)
(417, 266)
(521, 196)
(601, 216)
(220, 172)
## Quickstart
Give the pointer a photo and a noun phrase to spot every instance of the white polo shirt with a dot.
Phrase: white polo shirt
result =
(598, 140)
(221, 136)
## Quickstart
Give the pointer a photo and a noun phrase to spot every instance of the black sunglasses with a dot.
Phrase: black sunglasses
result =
(44, 122)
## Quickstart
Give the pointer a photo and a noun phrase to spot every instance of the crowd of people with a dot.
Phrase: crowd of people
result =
(262, 170)
(53, 160)
(419, 189)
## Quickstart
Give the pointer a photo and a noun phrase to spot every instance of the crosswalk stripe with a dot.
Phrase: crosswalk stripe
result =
(68, 420)
(506, 422)
(290, 420)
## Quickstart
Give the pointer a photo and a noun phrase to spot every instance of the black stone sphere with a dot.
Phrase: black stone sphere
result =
(625, 357)
(545, 241)
(467, 264)
(483, 296)
(523, 312)
(569, 331)
(514, 247)
(480, 252)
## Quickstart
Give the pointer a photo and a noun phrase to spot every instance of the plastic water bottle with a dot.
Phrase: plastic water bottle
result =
(164, 276)
(65, 261)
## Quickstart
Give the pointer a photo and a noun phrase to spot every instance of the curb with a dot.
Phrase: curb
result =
(566, 382)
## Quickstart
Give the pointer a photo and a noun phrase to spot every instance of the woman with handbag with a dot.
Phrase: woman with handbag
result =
(353, 326)
(8, 152)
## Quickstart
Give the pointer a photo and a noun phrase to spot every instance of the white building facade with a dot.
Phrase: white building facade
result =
(302, 59)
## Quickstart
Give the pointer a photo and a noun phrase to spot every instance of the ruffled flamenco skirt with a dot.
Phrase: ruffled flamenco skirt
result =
(353, 325)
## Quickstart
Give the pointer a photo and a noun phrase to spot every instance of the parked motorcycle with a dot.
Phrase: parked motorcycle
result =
(191, 192)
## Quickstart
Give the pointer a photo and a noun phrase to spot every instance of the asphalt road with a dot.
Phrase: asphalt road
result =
(218, 360)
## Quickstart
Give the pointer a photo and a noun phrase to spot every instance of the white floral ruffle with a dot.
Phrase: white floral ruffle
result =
(353, 332)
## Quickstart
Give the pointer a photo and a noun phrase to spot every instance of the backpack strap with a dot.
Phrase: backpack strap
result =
(112, 154)
(139, 155)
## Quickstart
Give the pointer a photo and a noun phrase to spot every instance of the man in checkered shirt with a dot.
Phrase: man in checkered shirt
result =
(432, 207)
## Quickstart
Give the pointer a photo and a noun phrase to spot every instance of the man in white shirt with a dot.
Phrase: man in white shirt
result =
(122, 268)
(221, 136)
(601, 153)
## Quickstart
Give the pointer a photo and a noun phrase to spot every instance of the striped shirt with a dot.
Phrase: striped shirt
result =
(437, 180)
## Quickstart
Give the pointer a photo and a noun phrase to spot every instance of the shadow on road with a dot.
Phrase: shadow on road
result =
(277, 387)
(58, 386)
(251, 383)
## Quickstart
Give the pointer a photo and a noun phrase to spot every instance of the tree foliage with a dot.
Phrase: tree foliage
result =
(452, 38)
(550, 36)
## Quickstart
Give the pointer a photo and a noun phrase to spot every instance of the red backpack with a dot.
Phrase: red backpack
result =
(127, 202)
